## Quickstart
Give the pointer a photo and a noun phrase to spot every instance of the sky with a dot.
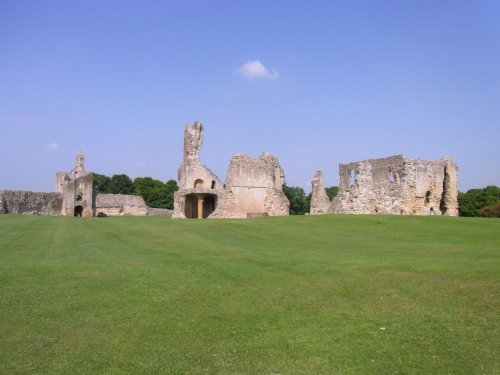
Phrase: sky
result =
(316, 83)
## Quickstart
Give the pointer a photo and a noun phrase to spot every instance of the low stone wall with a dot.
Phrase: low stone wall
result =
(160, 212)
(31, 203)
(254, 215)
(120, 205)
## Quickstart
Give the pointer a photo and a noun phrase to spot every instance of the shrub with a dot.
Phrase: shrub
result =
(492, 210)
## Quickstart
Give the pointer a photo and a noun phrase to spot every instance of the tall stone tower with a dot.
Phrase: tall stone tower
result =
(76, 188)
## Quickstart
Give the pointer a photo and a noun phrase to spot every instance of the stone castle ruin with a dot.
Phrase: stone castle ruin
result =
(393, 185)
(253, 185)
(76, 189)
(75, 197)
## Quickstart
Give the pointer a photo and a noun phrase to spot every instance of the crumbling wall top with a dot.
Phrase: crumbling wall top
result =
(246, 171)
(193, 141)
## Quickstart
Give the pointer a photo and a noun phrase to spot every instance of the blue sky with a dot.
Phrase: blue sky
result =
(315, 82)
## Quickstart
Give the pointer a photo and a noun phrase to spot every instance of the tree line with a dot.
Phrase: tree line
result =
(154, 192)
(480, 202)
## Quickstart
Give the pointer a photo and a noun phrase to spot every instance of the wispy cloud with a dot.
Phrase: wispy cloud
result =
(52, 146)
(255, 69)
(17, 120)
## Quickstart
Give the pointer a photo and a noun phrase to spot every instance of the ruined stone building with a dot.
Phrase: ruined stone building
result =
(253, 185)
(393, 185)
(75, 197)
(76, 188)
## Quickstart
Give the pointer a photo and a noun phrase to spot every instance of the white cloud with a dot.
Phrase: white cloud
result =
(52, 146)
(255, 69)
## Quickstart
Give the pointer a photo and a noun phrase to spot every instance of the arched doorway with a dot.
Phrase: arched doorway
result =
(199, 206)
(78, 211)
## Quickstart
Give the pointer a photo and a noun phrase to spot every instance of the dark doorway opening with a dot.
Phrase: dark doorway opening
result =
(191, 206)
(208, 205)
(199, 204)
(78, 211)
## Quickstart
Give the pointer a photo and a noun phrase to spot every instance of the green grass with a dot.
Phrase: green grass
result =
(289, 295)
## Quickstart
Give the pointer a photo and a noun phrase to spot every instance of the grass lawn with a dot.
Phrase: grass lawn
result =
(289, 295)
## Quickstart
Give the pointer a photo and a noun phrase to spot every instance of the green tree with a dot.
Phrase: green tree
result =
(471, 202)
(332, 191)
(299, 202)
(101, 183)
(156, 193)
(171, 186)
(142, 185)
(121, 184)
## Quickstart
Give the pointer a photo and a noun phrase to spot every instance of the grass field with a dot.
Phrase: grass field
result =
(289, 295)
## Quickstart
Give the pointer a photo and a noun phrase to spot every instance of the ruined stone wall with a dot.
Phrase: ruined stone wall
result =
(78, 192)
(28, 202)
(76, 188)
(253, 187)
(397, 185)
(196, 181)
(320, 203)
(192, 173)
(120, 205)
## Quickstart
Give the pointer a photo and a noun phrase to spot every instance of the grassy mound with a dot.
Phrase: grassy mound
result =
(290, 295)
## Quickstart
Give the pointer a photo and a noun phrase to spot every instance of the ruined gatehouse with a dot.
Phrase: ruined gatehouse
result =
(393, 185)
(253, 186)
(76, 188)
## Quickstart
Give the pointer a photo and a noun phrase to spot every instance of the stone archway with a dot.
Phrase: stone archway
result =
(199, 206)
(78, 211)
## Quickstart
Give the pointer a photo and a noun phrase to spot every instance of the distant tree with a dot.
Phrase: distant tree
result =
(471, 202)
(142, 185)
(491, 211)
(121, 184)
(299, 202)
(332, 191)
(101, 183)
(171, 186)
(156, 193)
